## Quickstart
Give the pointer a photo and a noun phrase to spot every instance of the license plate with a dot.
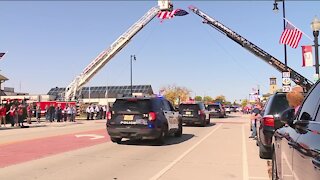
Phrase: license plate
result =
(188, 112)
(128, 117)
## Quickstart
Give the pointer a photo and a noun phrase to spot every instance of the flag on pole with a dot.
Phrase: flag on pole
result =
(2, 54)
(307, 59)
(291, 36)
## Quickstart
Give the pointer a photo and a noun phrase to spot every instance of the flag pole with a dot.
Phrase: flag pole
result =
(299, 29)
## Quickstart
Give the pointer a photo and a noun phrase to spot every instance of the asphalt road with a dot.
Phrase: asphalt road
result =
(83, 150)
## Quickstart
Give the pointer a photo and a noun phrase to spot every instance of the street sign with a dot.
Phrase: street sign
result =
(286, 88)
(286, 74)
(286, 82)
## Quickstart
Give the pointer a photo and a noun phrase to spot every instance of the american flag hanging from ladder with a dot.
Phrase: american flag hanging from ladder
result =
(170, 14)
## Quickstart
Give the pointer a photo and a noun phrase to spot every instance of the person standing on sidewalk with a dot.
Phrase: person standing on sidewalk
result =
(69, 111)
(104, 109)
(11, 115)
(3, 111)
(38, 113)
(65, 113)
(29, 111)
(74, 113)
(253, 118)
(97, 110)
(52, 111)
(20, 116)
(88, 112)
(59, 113)
(91, 112)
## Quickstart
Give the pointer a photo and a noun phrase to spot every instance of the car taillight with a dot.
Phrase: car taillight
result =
(152, 116)
(268, 120)
(108, 115)
(200, 112)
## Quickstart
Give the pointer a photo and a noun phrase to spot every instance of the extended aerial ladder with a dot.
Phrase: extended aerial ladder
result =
(105, 56)
(294, 76)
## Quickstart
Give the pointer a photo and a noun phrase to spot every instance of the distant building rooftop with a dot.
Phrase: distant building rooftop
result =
(104, 91)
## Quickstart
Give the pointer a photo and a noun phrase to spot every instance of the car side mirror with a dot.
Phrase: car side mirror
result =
(287, 116)
(306, 116)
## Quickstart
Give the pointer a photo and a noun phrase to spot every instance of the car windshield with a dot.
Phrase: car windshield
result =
(213, 106)
(194, 107)
(132, 105)
(278, 104)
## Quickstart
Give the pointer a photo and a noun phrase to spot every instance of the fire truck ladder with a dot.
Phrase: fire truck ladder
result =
(295, 76)
(105, 56)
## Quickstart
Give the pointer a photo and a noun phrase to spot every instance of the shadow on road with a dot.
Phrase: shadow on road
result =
(233, 116)
(198, 125)
(169, 141)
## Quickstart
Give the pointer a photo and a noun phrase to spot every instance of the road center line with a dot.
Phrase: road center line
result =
(244, 156)
(164, 170)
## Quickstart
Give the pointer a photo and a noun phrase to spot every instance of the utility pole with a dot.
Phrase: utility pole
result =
(132, 57)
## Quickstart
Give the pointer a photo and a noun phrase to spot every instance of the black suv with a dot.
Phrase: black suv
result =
(269, 122)
(194, 113)
(216, 110)
(143, 118)
(296, 146)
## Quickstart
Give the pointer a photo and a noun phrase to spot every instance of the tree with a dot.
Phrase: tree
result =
(176, 94)
(235, 103)
(244, 102)
(207, 99)
(221, 99)
(228, 103)
(198, 98)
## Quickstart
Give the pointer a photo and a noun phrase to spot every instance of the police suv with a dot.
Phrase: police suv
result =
(143, 118)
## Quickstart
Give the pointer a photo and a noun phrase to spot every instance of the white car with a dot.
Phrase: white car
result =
(228, 110)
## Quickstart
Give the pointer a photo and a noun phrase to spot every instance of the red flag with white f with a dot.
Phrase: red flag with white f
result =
(307, 59)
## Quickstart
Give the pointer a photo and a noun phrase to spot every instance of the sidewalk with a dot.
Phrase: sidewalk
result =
(43, 123)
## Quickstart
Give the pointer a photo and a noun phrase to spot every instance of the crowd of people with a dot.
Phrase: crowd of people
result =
(96, 112)
(57, 113)
(17, 114)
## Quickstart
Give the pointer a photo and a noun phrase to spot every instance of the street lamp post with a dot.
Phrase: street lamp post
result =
(315, 26)
(132, 57)
(276, 9)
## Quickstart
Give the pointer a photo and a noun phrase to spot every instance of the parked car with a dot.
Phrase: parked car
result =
(194, 113)
(216, 110)
(296, 146)
(227, 109)
(233, 109)
(269, 122)
(143, 118)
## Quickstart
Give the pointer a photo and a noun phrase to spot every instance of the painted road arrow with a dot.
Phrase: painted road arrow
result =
(93, 136)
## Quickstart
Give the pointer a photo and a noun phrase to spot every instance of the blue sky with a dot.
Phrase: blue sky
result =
(50, 43)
